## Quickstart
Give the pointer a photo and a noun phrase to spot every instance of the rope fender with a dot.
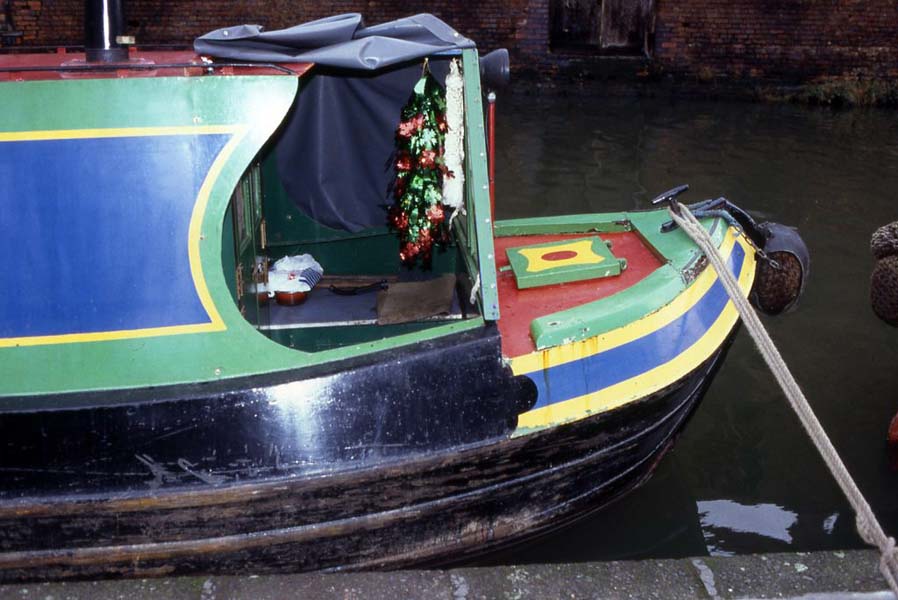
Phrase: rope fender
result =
(884, 278)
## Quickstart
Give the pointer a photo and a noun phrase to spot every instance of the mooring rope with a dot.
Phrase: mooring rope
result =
(867, 525)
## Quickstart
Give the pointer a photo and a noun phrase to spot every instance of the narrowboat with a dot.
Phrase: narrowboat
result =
(161, 412)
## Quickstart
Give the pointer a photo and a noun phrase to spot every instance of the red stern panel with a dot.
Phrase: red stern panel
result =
(519, 307)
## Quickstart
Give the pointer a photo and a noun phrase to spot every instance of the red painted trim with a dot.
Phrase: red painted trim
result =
(560, 255)
(893, 432)
(491, 118)
(520, 307)
(61, 58)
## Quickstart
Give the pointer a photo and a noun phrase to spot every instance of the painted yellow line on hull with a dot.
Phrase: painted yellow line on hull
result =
(104, 336)
(77, 134)
(650, 381)
(558, 355)
(194, 235)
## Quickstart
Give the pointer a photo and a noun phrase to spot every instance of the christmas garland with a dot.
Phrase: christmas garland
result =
(418, 213)
(454, 187)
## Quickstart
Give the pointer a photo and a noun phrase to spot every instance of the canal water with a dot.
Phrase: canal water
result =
(743, 477)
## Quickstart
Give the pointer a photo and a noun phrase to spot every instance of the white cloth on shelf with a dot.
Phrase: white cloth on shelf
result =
(294, 274)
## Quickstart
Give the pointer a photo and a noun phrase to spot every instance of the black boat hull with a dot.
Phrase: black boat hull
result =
(426, 508)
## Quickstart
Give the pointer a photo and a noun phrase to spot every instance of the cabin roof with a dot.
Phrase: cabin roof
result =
(166, 63)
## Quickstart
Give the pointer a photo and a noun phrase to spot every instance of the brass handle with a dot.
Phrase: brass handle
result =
(239, 277)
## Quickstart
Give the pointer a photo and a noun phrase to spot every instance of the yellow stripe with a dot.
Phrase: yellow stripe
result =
(104, 336)
(77, 134)
(583, 255)
(194, 236)
(558, 355)
(653, 380)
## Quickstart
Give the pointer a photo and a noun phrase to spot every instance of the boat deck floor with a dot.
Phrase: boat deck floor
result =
(324, 308)
(519, 307)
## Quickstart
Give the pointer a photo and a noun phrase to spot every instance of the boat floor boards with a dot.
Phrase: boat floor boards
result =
(323, 308)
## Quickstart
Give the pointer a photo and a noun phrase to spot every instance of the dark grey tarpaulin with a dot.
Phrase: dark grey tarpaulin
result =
(341, 41)
(335, 156)
(335, 151)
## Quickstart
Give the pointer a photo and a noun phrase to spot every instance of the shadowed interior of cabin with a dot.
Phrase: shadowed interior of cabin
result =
(262, 223)
(366, 292)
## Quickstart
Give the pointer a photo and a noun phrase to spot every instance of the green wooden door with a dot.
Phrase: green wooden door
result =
(249, 246)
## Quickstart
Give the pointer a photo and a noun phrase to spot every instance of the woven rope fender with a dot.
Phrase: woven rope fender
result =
(777, 287)
(867, 525)
(884, 278)
(884, 289)
(884, 241)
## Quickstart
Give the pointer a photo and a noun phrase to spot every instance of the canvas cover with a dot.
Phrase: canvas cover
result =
(341, 41)
(335, 154)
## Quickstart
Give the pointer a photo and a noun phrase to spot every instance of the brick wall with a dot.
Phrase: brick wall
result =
(26, 18)
(699, 40)
(798, 40)
(495, 23)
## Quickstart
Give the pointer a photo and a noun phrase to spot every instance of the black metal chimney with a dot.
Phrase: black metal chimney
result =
(103, 25)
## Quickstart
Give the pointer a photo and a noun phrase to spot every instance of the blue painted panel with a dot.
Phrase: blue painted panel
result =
(94, 233)
(602, 370)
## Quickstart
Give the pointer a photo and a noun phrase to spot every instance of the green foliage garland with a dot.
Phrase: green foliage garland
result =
(417, 213)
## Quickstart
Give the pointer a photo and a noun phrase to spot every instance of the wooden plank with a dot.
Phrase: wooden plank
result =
(477, 184)
(588, 223)
(563, 261)
(595, 318)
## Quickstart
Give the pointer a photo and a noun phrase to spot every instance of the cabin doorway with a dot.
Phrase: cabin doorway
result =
(366, 294)
(318, 195)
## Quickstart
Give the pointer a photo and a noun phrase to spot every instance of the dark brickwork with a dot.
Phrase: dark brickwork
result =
(26, 18)
(494, 23)
(797, 40)
(699, 40)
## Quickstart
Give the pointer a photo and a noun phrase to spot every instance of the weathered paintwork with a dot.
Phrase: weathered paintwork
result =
(347, 415)
(614, 366)
(148, 427)
(435, 507)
